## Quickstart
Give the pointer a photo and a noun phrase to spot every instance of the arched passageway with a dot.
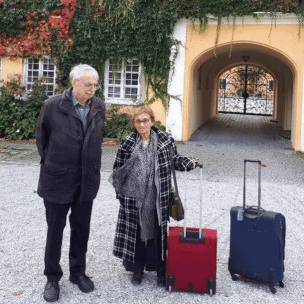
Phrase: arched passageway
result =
(207, 69)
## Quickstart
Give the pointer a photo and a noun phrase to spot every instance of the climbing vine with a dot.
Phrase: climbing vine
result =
(92, 31)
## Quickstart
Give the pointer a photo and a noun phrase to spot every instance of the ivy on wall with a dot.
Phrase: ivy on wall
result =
(92, 31)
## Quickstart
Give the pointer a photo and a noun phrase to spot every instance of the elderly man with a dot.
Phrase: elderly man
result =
(69, 137)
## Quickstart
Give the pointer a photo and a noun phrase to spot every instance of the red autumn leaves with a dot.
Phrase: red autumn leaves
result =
(36, 40)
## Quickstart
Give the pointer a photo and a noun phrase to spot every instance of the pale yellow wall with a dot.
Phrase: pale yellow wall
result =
(197, 96)
(159, 111)
(283, 43)
(10, 67)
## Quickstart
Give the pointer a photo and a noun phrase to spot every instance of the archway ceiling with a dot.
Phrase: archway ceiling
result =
(259, 55)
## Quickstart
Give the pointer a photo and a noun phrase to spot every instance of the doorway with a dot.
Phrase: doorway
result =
(246, 89)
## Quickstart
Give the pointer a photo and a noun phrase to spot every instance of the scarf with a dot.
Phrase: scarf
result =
(136, 179)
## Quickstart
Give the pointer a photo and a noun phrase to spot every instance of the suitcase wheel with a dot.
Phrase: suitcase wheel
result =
(234, 277)
(281, 284)
(170, 282)
(272, 289)
(211, 287)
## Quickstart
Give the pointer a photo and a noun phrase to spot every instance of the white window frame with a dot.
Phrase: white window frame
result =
(28, 80)
(122, 85)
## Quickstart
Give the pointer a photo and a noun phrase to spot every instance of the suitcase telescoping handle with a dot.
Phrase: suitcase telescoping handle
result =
(193, 236)
(259, 187)
(201, 200)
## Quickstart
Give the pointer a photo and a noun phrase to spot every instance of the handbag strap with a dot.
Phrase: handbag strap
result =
(173, 170)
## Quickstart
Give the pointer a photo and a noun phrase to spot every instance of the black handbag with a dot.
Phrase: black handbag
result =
(176, 209)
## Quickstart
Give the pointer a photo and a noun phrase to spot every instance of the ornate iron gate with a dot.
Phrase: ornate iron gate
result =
(246, 90)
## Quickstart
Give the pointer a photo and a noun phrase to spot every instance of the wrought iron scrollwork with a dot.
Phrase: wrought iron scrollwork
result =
(246, 90)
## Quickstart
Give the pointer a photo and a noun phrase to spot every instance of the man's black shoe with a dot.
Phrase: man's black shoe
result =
(83, 282)
(51, 292)
(137, 277)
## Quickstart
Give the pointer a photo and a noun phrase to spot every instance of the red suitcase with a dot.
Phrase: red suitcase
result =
(191, 260)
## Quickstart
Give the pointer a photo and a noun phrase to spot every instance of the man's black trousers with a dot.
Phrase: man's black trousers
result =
(80, 218)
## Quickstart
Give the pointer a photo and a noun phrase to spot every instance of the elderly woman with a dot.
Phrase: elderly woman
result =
(142, 181)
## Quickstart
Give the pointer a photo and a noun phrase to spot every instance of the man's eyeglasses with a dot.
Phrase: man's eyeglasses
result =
(96, 86)
(144, 121)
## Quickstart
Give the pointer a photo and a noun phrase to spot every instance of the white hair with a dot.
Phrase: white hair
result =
(80, 69)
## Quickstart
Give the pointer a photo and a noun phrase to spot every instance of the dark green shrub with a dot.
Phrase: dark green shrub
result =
(19, 110)
(117, 125)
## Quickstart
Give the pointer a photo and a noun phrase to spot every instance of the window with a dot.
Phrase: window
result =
(123, 84)
(223, 83)
(40, 68)
(270, 85)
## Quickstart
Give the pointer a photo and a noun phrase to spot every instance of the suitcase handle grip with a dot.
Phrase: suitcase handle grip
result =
(200, 234)
(252, 161)
(259, 188)
(252, 211)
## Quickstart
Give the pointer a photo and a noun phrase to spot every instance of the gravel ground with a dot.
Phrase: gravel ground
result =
(23, 228)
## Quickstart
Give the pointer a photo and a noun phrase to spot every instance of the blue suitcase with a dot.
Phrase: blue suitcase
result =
(257, 241)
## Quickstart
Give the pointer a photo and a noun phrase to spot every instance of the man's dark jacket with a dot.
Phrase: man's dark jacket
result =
(69, 156)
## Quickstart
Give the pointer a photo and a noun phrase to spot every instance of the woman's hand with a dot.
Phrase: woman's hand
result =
(193, 166)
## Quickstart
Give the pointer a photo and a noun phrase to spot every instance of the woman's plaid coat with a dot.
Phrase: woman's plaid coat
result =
(125, 236)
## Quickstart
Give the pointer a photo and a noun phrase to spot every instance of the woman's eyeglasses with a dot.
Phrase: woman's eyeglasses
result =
(144, 121)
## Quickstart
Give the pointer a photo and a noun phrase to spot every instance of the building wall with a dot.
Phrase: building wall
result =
(9, 67)
(275, 47)
(159, 111)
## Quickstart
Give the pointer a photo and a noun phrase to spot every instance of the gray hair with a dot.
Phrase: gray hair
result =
(78, 70)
